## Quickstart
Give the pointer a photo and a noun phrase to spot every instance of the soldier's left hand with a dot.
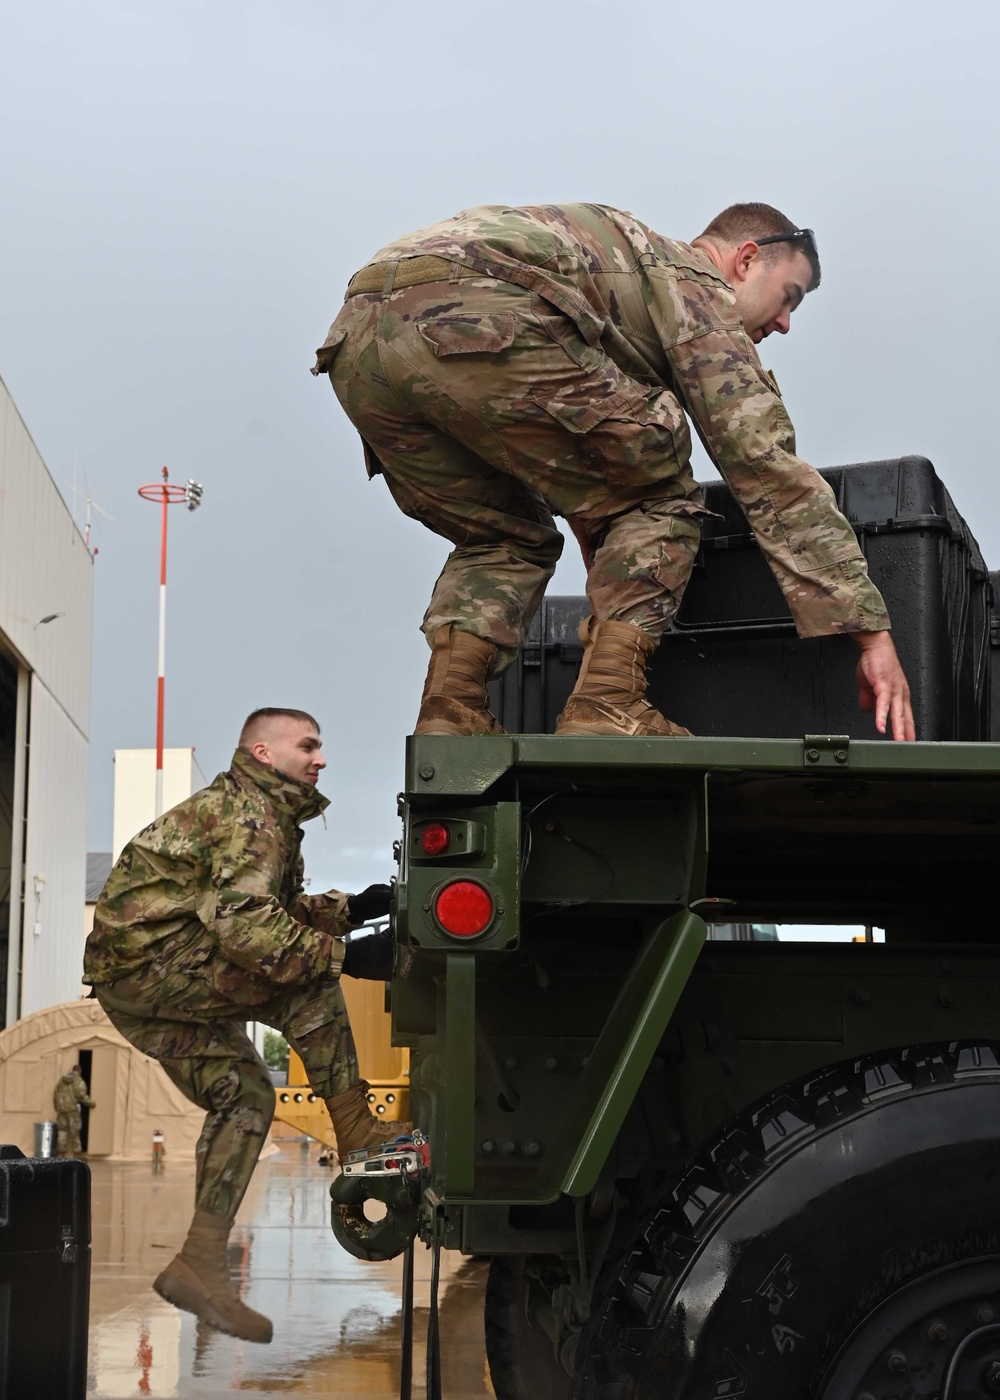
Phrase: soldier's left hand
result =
(882, 686)
(371, 903)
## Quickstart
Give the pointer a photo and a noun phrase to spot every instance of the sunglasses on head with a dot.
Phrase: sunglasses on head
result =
(793, 237)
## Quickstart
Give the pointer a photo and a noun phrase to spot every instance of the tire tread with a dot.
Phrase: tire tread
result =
(728, 1166)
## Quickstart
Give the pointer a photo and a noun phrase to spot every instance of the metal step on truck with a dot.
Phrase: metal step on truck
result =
(705, 1032)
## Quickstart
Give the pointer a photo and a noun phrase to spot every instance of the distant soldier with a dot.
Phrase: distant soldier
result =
(202, 926)
(69, 1095)
(511, 365)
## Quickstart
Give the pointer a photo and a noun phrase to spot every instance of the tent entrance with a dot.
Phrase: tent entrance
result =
(99, 1068)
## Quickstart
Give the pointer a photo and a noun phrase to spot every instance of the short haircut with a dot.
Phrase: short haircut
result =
(741, 223)
(258, 720)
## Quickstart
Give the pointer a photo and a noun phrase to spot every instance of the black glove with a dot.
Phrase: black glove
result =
(370, 958)
(369, 904)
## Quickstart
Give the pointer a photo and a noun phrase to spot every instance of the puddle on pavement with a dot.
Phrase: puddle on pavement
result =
(336, 1319)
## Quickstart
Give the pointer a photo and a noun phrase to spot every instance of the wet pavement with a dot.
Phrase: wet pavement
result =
(336, 1319)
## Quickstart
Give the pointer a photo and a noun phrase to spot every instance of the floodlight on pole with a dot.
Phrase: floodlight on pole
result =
(167, 495)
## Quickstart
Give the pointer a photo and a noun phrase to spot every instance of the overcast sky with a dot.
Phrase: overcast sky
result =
(185, 189)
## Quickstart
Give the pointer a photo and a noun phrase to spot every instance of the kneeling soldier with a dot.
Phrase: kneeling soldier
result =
(202, 926)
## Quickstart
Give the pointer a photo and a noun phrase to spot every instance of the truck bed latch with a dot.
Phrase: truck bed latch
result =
(825, 751)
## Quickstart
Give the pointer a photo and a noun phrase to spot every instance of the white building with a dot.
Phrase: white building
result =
(46, 604)
(135, 807)
(135, 788)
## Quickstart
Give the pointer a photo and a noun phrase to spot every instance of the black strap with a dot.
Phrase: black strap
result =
(406, 1356)
(433, 1335)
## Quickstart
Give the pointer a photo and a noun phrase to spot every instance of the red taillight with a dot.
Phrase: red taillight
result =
(463, 909)
(435, 838)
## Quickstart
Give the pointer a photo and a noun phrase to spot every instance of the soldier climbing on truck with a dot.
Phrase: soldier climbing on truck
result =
(204, 924)
(512, 364)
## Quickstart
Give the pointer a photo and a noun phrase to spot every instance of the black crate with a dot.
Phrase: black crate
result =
(995, 660)
(731, 664)
(44, 1277)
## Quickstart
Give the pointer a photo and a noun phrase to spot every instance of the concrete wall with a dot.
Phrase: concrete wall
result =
(45, 569)
(135, 788)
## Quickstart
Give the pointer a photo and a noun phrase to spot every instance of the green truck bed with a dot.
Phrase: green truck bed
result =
(608, 863)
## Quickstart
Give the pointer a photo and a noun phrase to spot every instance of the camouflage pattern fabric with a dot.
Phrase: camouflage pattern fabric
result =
(70, 1092)
(191, 1021)
(552, 372)
(203, 925)
(221, 873)
(68, 1129)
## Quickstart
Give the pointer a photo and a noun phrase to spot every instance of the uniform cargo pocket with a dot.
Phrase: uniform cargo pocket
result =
(327, 352)
(634, 439)
(372, 464)
(469, 335)
(582, 415)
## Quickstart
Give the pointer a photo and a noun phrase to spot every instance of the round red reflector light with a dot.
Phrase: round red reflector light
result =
(435, 838)
(463, 909)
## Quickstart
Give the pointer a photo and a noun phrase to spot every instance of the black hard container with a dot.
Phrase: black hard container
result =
(995, 658)
(44, 1277)
(731, 664)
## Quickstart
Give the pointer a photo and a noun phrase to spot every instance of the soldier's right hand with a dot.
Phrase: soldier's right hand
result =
(882, 686)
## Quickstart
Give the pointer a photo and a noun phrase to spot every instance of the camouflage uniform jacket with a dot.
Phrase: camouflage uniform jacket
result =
(221, 873)
(70, 1092)
(664, 314)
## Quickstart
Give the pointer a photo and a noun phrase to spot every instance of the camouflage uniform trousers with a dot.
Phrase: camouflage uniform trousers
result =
(68, 1141)
(487, 411)
(191, 1021)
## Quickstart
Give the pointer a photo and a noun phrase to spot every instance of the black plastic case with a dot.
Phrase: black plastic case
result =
(732, 664)
(44, 1276)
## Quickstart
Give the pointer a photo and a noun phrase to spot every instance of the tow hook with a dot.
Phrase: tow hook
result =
(390, 1174)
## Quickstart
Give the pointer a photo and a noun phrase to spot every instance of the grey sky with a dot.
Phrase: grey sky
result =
(185, 189)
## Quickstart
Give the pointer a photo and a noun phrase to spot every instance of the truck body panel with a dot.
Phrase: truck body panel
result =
(587, 979)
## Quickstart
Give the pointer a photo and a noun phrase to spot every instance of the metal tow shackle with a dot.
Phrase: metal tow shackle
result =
(374, 1240)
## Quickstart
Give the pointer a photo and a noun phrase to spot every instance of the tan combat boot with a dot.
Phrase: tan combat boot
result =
(198, 1281)
(610, 692)
(355, 1125)
(454, 699)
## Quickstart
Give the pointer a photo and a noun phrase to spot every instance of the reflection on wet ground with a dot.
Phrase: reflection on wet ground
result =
(336, 1319)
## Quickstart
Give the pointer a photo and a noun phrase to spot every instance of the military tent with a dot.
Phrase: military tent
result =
(132, 1093)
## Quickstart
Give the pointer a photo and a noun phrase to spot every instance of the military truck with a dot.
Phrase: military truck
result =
(704, 1162)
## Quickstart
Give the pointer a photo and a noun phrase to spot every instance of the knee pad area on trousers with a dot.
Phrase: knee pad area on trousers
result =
(245, 1093)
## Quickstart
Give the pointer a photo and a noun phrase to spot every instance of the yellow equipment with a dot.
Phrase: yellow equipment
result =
(386, 1068)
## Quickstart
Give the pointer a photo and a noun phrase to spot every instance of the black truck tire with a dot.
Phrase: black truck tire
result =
(521, 1357)
(840, 1241)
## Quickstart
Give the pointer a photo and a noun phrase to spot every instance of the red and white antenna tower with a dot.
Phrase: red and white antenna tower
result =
(190, 495)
